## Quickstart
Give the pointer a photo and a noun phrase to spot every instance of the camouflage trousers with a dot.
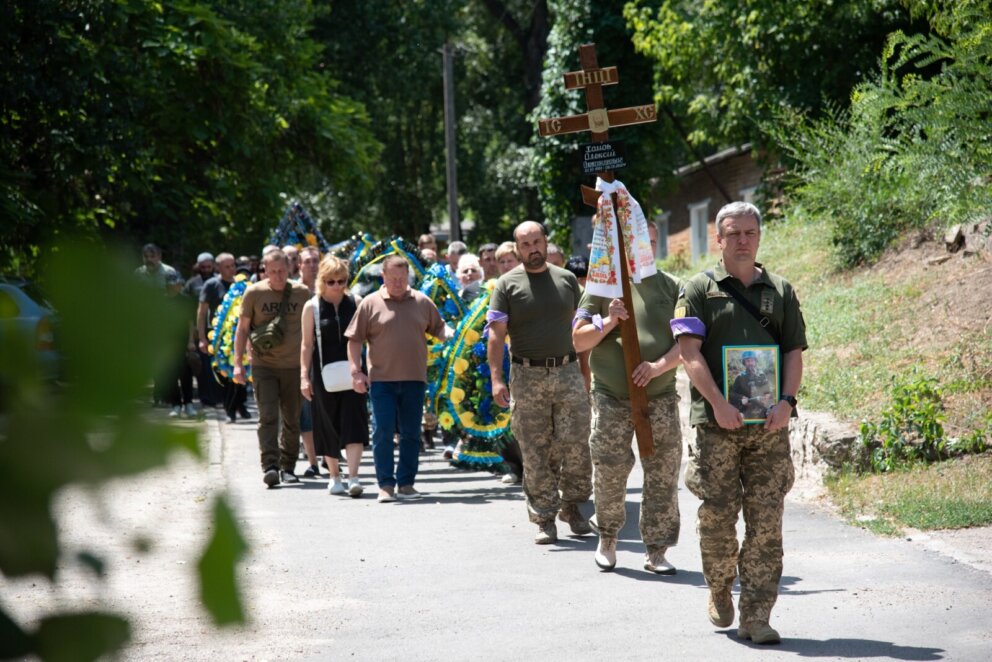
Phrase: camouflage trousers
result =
(730, 469)
(613, 459)
(549, 417)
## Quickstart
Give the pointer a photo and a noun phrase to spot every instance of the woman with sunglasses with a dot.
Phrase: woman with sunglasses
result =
(341, 417)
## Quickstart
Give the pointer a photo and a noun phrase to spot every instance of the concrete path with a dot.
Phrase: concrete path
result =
(457, 577)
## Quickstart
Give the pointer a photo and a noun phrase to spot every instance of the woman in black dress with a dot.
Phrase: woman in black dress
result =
(340, 418)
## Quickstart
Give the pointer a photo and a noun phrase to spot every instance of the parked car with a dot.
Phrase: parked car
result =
(24, 307)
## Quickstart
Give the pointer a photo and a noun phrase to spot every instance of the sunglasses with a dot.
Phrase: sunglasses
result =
(332, 281)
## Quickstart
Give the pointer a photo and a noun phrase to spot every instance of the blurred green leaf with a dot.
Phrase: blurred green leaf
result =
(14, 642)
(95, 426)
(116, 331)
(28, 538)
(76, 637)
(218, 585)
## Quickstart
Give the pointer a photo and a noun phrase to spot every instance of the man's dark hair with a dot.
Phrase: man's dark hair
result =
(578, 265)
(151, 248)
(487, 247)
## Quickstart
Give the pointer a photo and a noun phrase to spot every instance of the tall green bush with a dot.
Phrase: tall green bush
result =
(914, 148)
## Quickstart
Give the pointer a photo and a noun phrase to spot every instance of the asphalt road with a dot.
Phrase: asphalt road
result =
(456, 576)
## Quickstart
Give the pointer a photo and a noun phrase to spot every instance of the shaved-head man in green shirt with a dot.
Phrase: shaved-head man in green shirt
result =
(549, 407)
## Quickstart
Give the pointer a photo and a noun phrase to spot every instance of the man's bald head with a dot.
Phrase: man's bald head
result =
(528, 227)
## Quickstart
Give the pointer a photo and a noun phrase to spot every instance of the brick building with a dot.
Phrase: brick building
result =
(688, 212)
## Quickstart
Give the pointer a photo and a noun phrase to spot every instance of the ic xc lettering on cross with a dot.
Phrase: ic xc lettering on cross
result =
(598, 121)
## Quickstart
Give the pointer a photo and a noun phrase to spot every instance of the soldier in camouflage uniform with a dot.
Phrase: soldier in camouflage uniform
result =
(733, 465)
(535, 302)
(597, 327)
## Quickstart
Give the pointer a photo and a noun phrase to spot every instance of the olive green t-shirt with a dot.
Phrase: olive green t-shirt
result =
(539, 307)
(653, 300)
(261, 304)
(726, 322)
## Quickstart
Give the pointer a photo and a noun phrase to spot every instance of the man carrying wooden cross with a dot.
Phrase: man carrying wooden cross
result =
(597, 327)
(630, 396)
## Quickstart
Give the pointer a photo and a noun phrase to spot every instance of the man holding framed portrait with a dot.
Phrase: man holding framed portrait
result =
(741, 335)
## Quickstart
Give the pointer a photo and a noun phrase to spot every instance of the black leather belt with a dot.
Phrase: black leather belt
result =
(550, 362)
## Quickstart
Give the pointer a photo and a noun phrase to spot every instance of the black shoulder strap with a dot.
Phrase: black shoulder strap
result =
(283, 303)
(766, 323)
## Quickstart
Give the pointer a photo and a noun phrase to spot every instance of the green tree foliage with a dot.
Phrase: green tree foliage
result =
(725, 67)
(95, 427)
(178, 122)
(914, 148)
(652, 149)
(397, 74)
(387, 56)
(499, 83)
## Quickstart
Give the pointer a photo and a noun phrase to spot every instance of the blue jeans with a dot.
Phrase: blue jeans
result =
(393, 402)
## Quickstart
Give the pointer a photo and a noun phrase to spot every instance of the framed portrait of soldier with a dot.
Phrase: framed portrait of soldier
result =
(751, 375)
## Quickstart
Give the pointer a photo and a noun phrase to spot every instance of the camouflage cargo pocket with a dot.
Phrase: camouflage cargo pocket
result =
(693, 479)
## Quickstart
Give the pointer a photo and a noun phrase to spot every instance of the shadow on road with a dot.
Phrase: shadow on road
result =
(850, 648)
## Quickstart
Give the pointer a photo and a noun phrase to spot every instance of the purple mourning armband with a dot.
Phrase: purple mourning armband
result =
(495, 316)
(583, 314)
(691, 325)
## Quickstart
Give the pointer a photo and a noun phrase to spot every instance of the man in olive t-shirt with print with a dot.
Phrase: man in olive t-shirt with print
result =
(276, 373)
(549, 407)
(597, 327)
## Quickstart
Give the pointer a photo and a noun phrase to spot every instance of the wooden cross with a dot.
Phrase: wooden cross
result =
(598, 120)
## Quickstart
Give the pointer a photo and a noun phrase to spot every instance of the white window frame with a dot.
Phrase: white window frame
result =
(662, 221)
(699, 233)
(747, 193)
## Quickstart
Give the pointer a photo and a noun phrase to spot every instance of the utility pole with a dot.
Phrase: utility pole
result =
(448, 57)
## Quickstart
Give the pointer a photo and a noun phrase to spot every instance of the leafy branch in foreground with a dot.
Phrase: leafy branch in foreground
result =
(113, 332)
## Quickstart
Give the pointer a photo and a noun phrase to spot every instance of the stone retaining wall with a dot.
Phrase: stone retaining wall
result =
(821, 444)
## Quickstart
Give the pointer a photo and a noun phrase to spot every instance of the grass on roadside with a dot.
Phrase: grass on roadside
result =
(949, 495)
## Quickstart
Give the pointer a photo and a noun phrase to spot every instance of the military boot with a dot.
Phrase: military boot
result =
(655, 561)
(570, 514)
(548, 533)
(760, 632)
(721, 607)
(606, 553)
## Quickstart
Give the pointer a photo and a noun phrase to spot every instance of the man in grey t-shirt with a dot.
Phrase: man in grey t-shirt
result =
(549, 406)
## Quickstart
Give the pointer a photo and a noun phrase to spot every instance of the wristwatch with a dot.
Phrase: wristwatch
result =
(791, 399)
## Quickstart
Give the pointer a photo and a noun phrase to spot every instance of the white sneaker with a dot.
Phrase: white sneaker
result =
(176, 412)
(654, 561)
(336, 487)
(510, 479)
(190, 410)
(606, 553)
(355, 487)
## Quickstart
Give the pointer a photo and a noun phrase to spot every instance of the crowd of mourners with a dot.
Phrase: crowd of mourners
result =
(343, 372)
